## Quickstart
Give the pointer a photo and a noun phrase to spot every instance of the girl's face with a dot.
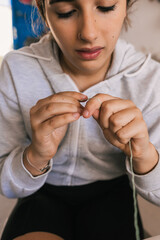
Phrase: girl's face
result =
(86, 31)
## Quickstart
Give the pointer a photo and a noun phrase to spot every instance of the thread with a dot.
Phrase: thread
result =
(137, 233)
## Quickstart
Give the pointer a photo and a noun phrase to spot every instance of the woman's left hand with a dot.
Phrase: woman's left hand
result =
(121, 121)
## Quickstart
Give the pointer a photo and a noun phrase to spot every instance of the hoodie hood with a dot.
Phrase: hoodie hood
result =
(126, 63)
(129, 76)
(126, 60)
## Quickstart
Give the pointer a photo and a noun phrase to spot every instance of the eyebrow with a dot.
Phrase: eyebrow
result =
(56, 1)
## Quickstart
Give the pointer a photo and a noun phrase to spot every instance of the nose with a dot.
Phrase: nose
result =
(87, 28)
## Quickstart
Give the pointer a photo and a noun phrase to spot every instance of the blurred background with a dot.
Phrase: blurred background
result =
(17, 23)
(17, 18)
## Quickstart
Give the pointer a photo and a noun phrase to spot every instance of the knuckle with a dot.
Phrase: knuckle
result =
(99, 97)
(121, 137)
(138, 112)
(76, 102)
(106, 107)
(76, 108)
(71, 94)
(130, 103)
(39, 102)
(114, 120)
(124, 141)
(48, 107)
(54, 97)
(119, 134)
(57, 96)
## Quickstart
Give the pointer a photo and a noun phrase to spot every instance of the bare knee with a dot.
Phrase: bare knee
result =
(38, 236)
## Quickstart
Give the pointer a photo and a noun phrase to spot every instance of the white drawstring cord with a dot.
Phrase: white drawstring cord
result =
(32, 55)
(134, 196)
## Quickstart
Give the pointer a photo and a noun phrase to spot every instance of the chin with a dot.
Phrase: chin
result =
(90, 67)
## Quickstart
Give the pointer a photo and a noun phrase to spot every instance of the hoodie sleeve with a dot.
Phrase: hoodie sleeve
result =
(15, 180)
(148, 185)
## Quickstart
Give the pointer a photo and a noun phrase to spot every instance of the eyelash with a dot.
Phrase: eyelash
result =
(66, 15)
(102, 9)
(107, 9)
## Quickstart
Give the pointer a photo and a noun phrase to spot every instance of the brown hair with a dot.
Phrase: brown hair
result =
(41, 6)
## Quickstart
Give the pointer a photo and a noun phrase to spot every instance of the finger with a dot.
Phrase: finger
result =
(122, 118)
(136, 129)
(50, 110)
(111, 137)
(70, 97)
(77, 95)
(51, 124)
(96, 114)
(95, 103)
(110, 108)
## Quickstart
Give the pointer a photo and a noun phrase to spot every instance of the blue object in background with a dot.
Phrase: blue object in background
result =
(23, 17)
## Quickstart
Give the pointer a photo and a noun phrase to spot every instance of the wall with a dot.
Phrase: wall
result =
(6, 29)
(145, 30)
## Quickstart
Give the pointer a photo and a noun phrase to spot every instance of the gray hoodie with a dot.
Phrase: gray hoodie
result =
(84, 155)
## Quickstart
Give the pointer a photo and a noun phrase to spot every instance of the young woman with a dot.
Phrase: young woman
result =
(70, 104)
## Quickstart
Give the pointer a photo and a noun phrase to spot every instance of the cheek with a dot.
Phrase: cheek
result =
(63, 34)
(115, 27)
(111, 32)
(58, 33)
(63, 39)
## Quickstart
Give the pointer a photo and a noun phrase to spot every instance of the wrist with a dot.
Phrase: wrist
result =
(147, 162)
(34, 163)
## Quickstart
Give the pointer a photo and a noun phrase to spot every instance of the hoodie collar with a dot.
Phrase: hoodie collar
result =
(126, 62)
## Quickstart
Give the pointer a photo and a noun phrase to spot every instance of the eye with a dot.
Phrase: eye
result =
(106, 9)
(66, 15)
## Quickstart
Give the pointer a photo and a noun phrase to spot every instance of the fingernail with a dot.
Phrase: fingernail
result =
(84, 97)
(76, 115)
(86, 113)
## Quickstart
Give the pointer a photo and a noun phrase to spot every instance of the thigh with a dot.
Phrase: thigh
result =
(39, 212)
(110, 216)
(38, 236)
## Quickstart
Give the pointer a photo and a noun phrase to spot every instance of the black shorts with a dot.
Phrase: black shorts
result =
(98, 211)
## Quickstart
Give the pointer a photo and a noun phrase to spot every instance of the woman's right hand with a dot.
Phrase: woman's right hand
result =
(49, 121)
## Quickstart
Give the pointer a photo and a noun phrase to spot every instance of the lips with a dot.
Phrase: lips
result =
(89, 53)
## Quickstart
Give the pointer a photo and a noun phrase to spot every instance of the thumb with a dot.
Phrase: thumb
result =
(96, 114)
